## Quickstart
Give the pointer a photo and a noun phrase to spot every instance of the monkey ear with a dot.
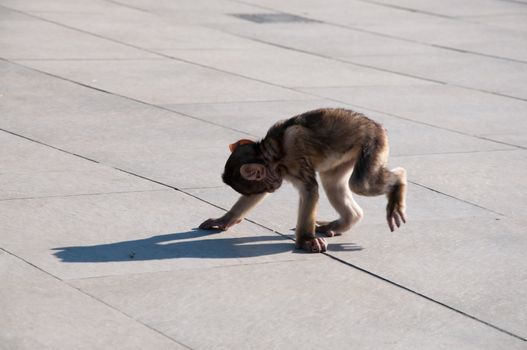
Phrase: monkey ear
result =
(253, 171)
(233, 146)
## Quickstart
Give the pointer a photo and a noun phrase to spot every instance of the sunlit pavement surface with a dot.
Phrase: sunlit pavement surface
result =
(115, 117)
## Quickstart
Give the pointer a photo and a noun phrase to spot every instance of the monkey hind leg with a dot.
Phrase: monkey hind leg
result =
(389, 182)
(370, 177)
(335, 184)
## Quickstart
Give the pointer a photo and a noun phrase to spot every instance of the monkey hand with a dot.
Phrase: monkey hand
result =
(222, 223)
(314, 245)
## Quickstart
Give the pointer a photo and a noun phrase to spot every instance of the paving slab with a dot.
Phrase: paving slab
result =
(277, 298)
(171, 82)
(517, 21)
(32, 170)
(339, 42)
(467, 111)
(292, 69)
(25, 37)
(490, 179)
(254, 118)
(138, 232)
(146, 29)
(513, 138)
(41, 312)
(191, 6)
(62, 6)
(181, 12)
(504, 77)
(454, 8)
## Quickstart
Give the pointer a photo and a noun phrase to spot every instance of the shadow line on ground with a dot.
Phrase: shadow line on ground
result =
(190, 244)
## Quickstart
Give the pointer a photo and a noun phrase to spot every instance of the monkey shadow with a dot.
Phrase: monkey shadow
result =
(343, 247)
(190, 244)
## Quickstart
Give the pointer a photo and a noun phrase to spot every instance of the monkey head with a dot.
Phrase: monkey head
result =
(247, 172)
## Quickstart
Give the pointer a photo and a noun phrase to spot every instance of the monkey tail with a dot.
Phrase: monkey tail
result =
(369, 172)
(362, 167)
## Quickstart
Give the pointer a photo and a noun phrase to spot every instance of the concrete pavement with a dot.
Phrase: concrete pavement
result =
(115, 118)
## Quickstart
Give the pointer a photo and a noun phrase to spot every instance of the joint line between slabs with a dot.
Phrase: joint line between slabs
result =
(80, 195)
(456, 198)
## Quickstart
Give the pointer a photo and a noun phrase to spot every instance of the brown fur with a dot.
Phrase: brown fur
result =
(347, 149)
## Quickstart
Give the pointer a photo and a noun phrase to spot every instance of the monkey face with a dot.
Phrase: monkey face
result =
(262, 173)
(247, 173)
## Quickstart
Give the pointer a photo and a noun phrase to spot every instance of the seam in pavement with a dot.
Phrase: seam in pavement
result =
(47, 145)
(65, 283)
(453, 152)
(424, 43)
(226, 72)
(167, 105)
(127, 5)
(283, 235)
(409, 9)
(88, 59)
(80, 195)
(454, 197)
(434, 14)
(515, 1)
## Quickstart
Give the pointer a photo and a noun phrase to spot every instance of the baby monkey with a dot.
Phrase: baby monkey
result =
(347, 149)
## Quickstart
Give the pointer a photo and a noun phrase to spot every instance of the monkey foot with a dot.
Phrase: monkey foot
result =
(395, 217)
(327, 228)
(315, 245)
